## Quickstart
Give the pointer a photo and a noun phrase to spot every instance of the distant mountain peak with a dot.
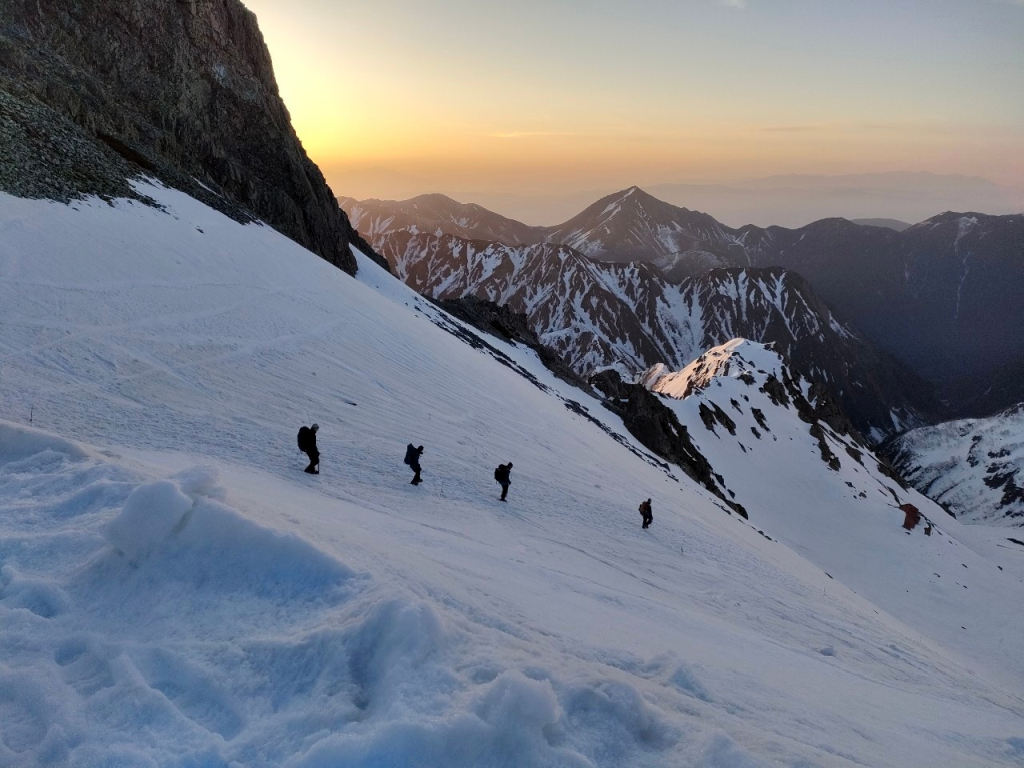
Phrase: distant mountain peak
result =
(638, 197)
(633, 225)
(435, 198)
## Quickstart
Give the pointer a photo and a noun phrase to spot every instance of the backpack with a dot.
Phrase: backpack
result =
(410, 454)
(303, 437)
(497, 474)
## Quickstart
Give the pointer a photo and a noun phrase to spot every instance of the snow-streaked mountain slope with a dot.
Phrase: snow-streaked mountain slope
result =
(593, 315)
(941, 295)
(243, 613)
(773, 305)
(438, 215)
(628, 317)
(634, 226)
(974, 466)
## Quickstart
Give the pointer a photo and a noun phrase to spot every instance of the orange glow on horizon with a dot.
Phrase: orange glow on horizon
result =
(413, 106)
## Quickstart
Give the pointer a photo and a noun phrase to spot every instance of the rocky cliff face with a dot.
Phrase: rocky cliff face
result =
(184, 91)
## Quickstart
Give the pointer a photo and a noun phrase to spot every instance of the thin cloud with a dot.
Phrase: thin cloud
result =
(803, 128)
(841, 126)
(740, 4)
(528, 134)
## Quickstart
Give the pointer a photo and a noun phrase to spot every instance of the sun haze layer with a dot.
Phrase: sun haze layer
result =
(395, 97)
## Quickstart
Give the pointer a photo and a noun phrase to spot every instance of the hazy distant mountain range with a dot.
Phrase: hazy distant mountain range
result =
(789, 200)
(797, 199)
(942, 295)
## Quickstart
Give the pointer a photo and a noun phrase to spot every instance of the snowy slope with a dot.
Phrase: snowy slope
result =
(975, 466)
(822, 492)
(182, 594)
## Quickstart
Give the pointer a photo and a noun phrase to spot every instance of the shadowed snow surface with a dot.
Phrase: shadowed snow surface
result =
(174, 591)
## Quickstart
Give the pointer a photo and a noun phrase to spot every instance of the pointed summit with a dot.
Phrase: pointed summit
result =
(632, 225)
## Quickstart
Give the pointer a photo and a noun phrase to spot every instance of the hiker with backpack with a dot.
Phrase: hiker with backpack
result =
(412, 459)
(646, 514)
(501, 475)
(307, 444)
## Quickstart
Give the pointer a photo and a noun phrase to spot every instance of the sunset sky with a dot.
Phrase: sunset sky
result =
(539, 96)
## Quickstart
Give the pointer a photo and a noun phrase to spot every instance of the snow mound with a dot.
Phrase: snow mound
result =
(151, 513)
(40, 596)
(190, 534)
(508, 722)
(35, 447)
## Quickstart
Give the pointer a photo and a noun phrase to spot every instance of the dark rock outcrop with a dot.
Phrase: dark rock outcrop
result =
(498, 320)
(95, 93)
(656, 427)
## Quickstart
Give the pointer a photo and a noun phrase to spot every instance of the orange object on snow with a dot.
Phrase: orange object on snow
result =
(913, 516)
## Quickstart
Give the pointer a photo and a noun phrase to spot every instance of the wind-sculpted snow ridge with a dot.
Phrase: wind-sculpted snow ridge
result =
(973, 466)
(175, 591)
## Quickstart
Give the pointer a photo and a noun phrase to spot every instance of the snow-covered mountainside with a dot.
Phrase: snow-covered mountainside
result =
(781, 447)
(634, 226)
(592, 315)
(974, 466)
(438, 215)
(629, 317)
(174, 590)
(774, 305)
(942, 295)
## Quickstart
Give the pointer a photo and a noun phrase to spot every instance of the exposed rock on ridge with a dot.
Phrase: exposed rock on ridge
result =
(658, 429)
(181, 91)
